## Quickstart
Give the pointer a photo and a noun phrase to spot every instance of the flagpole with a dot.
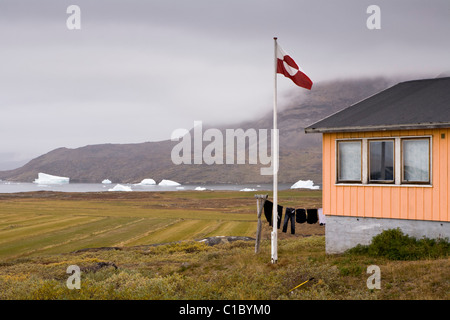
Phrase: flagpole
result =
(274, 235)
(290, 70)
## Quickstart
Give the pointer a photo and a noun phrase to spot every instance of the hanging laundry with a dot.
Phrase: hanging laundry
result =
(268, 208)
(300, 215)
(321, 217)
(279, 215)
(289, 216)
(312, 216)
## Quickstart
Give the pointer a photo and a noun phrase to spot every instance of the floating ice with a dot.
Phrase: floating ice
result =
(44, 178)
(302, 184)
(119, 187)
(168, 183)
(200, 189)
(106, 181)
(247, 189)
(146, 182)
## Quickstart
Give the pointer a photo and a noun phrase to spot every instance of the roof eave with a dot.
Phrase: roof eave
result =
(378, 127)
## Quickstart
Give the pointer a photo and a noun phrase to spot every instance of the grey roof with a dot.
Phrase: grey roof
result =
(406, 105)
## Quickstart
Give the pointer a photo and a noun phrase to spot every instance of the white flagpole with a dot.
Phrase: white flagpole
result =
(274, 235)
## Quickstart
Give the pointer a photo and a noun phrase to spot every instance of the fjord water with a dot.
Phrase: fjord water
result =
(13, 187)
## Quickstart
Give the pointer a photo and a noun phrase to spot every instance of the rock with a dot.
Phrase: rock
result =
(212, 241)
(98, 266)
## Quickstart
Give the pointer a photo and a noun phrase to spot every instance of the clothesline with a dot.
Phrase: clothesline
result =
(292, 215)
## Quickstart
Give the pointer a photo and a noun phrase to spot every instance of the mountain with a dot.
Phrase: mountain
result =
(300, 154)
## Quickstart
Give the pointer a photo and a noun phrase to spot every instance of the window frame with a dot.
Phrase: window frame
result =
(402, 166)
(393, 161)
(339, 181)
(398, 162)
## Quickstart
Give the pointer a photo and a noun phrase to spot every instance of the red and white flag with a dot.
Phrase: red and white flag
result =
(287, 66)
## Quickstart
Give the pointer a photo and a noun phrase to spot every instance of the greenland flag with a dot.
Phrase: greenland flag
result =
(287, 66)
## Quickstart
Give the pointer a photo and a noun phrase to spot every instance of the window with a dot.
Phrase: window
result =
(416, 160)
(381, 161)
(349, 161)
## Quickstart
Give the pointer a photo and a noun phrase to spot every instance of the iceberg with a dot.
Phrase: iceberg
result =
(119, 187)
(302, 184)
(168, 183)
(248, 189)
(106, 181)
(44, 178)
(146, 182)
(200, 189)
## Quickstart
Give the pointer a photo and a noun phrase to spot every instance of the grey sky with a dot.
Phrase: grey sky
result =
(138, 70)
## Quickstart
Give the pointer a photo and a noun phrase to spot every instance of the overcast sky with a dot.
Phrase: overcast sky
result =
(138, 70)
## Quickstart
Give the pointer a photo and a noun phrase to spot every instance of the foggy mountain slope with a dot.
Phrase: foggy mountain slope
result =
(300, 154)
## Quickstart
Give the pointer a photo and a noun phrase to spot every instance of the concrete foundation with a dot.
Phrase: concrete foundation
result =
(342, 233)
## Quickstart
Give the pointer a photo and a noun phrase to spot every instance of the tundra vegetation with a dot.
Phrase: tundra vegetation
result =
(142, 245)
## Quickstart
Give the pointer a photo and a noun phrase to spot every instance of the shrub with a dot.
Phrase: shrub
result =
(394, 245)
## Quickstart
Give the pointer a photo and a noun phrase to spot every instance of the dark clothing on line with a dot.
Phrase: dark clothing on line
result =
(268, 209)
(300, 215)
(289, 215)
(312, 216)
(279, 215)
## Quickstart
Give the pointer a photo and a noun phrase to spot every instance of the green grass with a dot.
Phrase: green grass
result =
(58, 223)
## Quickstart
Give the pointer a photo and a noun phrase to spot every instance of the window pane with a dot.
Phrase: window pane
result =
(349, 161)
(381, 160)
(416, 162)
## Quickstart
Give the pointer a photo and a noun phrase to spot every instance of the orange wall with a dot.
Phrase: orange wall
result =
(388, 201)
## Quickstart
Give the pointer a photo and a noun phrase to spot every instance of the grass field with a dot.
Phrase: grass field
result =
(42, 233)
(45, 222)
